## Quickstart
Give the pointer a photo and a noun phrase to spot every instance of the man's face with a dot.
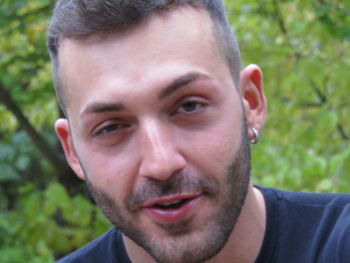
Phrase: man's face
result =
(158, 133)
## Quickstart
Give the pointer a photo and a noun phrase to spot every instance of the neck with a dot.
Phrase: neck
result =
(247, 236)
(244, 243)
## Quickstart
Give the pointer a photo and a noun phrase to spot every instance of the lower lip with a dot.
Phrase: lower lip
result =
(173, 215)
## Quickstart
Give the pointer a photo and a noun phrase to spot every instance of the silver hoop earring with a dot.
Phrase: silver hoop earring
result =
(255, 140)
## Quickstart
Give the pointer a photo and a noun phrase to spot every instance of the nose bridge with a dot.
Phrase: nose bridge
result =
(160, 155)
(155, 141)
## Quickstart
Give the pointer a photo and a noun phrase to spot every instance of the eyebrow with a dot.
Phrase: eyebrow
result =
(99, 107)
(182, 81)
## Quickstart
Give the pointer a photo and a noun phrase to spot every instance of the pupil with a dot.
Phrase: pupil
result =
(189, 106)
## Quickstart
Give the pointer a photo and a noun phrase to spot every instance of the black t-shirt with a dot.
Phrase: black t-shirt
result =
(306, 227)
(108, 248)
(301, 228)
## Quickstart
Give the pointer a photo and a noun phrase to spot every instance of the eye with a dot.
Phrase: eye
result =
(108, 128)
(190, 106)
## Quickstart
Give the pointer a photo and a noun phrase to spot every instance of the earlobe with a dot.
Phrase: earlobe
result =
(63, 133)
(252, 91)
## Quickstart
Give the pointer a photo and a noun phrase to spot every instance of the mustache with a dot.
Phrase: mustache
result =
(181, 183)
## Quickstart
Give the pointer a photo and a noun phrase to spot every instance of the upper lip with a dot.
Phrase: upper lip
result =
(171, 198)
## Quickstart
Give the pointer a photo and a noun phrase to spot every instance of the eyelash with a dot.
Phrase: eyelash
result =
(109, 128)
(198, 105)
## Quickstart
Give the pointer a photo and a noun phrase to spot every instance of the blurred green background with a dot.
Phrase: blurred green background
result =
(303, 48)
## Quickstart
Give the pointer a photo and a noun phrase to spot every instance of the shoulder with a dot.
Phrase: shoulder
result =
(311, 226)
(322, 212)
(108, 247)
(322, 200)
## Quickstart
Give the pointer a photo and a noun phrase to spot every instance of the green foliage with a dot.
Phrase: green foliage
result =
(25, 74)
(303, 49)
(46, 223)
(38, 220)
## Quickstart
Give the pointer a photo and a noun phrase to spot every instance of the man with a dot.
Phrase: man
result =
(159, 117)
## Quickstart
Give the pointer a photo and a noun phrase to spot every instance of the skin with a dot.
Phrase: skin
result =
(128, 126)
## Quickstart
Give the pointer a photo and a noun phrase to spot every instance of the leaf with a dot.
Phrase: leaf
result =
(8, 173)
(337, 160)
(57, 196)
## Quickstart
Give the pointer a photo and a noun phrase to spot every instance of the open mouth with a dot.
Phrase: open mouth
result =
(172, 209)
(176, 204)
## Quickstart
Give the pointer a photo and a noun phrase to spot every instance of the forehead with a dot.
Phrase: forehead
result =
(161, 46)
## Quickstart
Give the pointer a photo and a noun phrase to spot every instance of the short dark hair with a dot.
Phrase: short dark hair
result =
(79, 19)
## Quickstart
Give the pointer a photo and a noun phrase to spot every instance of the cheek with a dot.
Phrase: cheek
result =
(216, 147)
(113, 174)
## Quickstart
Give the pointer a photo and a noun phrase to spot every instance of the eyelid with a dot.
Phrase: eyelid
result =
(194, 99)
(99, 129)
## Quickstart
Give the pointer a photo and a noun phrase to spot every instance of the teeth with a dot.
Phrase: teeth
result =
(170, 203)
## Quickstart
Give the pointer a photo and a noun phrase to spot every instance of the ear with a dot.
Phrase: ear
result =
(252, 91)
(63, 133)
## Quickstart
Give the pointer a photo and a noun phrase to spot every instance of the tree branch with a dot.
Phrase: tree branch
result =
(279, 18)
(282, 25)
(37, 139)
(342, 133)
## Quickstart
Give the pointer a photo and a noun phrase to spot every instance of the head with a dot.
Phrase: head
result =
(82, 19)
(157, 123)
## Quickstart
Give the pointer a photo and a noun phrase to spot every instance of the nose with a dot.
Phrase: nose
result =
(161, 157)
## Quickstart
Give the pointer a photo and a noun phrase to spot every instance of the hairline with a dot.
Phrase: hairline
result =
(219, 35)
